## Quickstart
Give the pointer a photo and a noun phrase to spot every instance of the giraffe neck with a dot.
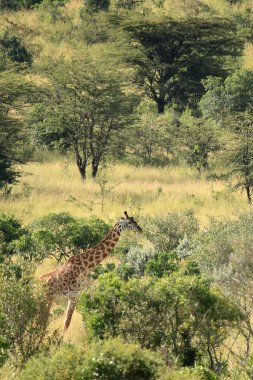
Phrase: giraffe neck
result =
(102, 250)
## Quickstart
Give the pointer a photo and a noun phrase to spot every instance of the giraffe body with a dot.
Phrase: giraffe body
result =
(72, 277)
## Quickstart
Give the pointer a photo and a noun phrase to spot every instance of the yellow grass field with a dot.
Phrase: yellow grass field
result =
(56, 186)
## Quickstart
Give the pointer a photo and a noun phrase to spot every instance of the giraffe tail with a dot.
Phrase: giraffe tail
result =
(70, 311)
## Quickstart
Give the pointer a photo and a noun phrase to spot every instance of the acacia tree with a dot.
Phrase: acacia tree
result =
(238, 155)
(149, 140)
(81, 110)
(13, 94)
(197, 139)
(229, 103)
(172, 57)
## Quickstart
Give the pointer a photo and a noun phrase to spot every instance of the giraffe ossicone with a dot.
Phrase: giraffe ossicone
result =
(72, 277)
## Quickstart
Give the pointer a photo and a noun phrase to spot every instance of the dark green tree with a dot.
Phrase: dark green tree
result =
(10, 230)
(149, 140)
(197, 138)
(18, 4)
(93, 6)
(14, 92)
(171, 58)
(127, 4)
(222, 98)
(14, 49)
(229, 103)
(238, 155)
(60, 236)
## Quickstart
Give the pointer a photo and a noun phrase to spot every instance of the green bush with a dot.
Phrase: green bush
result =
(214, 246)
(249, 366)
(126, 4)
(17, 4)
(181, 316)
(166, 231)
(10, 230)
(63, 364)
(144, 260)
(60, 235)
(101, 269)
(108, 360)
(93, 6)
(14, 49)
(134, 262)
(163, 264)
(23, 329)
(114, 360)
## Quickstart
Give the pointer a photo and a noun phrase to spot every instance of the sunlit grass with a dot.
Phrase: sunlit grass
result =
(248, 56)
(56, 186)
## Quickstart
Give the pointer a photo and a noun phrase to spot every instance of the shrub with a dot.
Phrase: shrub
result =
(17, 4)
(63, 364)
(15, 50)
(135, 261)
(101, 269)
(22, 326)
(126, 4)
(216, 245)
(111, 360)
(144, 260)
(114, 360)
(60, 235)
(50, 11)
(93, 6)
(181, 316)
(10, 230)
(166, 231)
(223, 252)
(163, 264)
(249, 366)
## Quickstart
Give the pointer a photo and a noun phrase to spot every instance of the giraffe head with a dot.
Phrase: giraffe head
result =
(128, 223)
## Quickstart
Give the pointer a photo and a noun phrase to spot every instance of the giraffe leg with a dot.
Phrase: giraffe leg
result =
(70, 310)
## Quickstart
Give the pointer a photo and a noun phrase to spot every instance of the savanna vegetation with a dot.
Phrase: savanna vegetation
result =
(145, 106)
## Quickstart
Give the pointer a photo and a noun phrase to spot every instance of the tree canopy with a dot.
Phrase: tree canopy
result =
(171, 57)
(83, 107)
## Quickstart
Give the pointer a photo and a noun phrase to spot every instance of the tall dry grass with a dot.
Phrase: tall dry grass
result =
(55, 186)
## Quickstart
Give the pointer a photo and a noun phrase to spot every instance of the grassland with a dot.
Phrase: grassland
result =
(56, 186)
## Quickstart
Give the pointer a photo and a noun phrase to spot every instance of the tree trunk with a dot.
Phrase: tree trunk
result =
(81, 164)
(82, 171)
(94, 169)
(160, 105)
(248, 194)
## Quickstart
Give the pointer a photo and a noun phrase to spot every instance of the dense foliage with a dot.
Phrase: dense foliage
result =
(23, 329)
(158, 83)
(180, 316)
(106, 360)
(172, 57)
(14, 93)
(17, 4)
(59, 235)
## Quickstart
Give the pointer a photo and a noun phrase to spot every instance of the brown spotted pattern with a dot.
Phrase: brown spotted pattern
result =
(72, 277)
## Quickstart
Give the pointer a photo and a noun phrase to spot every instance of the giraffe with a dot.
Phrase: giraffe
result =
(72, 277)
